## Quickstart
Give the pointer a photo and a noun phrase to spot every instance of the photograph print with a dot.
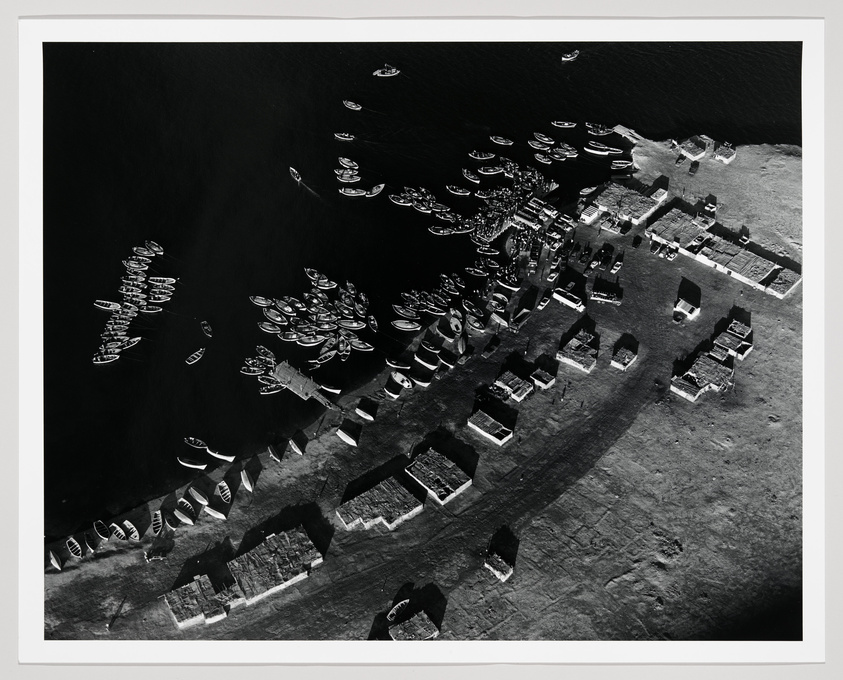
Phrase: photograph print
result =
(423, 340)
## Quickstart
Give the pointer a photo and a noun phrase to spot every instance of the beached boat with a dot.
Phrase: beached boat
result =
(295, 174)
(131, 530)
(184, 512)
(198, 495)
(157, 522)
(375, 190)
(620, 165)
(107, 306)
(212, 512)
(481, 155)
(497, 139)
(101, 530)
(217, 454)
(474, 324)
(585, 191)
(406, 325)
(570, 56)
(247, 480)
(386, 72)
(351, 191)
(396, 610)
(470, 176)
(224, 492)
(117, 531)
(563, 124)
(54, 560)
(347, 103)
(344, 136)
(190, 463)
(401, 379)
(399, 365)
(471, 308)
(73, 547)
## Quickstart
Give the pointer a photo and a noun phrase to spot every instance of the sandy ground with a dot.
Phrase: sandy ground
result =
(638, 515)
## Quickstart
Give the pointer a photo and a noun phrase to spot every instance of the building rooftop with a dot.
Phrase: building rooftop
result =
(706, 371)
(387, 502)
(419, 627)
(784, 281)
(739, 329)
(194, 602)
(625, 201)
(624, 356)
(728, 341)
(439, 475)
(579, 351)
(280, 560)
(489, 427)
(676, 227)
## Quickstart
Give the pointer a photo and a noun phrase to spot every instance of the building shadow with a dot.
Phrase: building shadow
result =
(583, 323)
(573, 281)
(528, 300)
(492, 345)
(307, 515)
(548, 363)
(505, 543)
(517, 364)
(253, 467)
(609, 287)
(690, 292)
(463, 455)
(486, 401)
(370, 406)
(626, 341)
(212, 561)
(373, 477)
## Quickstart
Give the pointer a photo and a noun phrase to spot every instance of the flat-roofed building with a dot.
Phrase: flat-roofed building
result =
(623, 358)
(627, 204)
(783, 282)
(589, 214)
(684, 307)
(725, 153)
(735, 340)
(418, 627)
(579, 352)
(693, 148)
(498, 566)
(543, 379)
(705, 374)
(482, 423)
(281, 560)
(195, 603)
(441, 477)
(675, 228)
(387, 503)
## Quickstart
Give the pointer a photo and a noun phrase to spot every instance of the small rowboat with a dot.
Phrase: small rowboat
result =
(347, 163)
(251, 370)
(195, 443)
(351, 324)
(106, 305)
(154, 247)
(401, 379)
(198, 495)
(406, 325)
(406, 312)
(157, 523)
(275, 316)
(361, 345)
(105, 358)
(73, 547)
(471, 308)
(206, 329)
(162, 280)
(131, 530)
(475, 324)
(247, 480)
(181, 514)
(373, 323)
(117, 531)
(268, 327)
(187, 462)
(271, 389)
(260, 301)
(224, 492)
(396, 610)
(170, 522)
(344, 136)
(145, 252)
(196, 356)
(55, 561)
(101, 530)
(151, 309)
(212, 512)
(221, 456)
(400, 365)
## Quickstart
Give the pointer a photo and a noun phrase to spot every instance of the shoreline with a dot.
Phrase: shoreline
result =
(423, 411)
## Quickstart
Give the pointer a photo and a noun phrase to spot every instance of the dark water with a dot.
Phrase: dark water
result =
(189, 145)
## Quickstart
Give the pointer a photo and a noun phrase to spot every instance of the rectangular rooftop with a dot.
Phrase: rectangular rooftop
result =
(441, 478)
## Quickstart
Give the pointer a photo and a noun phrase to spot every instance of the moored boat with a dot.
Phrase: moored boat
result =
(406, 325)
(295, 174)
(347, 103)
(157, 522)
(351, 191)
(470, 176)
(544, 139)
(107, 306)
(344, 136)
(260, 300)
(458, 191)
(386, 72)
(105, 358)
(375, 190)
(497, 139)
(195, 443)
(206, 329)
(563, 124)
(269, 327)
(481, 155)
(347, 163)
(570, 56)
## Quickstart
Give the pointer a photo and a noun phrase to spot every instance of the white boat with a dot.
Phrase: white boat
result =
(347, 163)
(55, 561)
(563, 124)
(107, 306)
(344, 136)
(198, 495)
(101, 530)
(157, 522)
(538, 145)
(224, 492)
(162, 280)
(275, 316)
(348, 178)
(212, 512)
(347, 103)
(406, 312)
(351, 324)
(117, 531)
(458, 191)
(247, 480)
(217, 454)
(541, 158)
(189, 463)
(271, 389)
(184, 512)
(154, 247)
(497, 139)
(73, 547)
(375, 190)
(481, 155)
(361, 345)
(399, 365)
(351, 191)
(260, 300)
(386, 72)
(544, 139)
(470, 176)
(295, 174)
(131, 530)
(269, 327)
(440, 230)
(105, 358)
(396, 610)
(586, 191)
(570, 56)
(290, 336)
(406, 325)
(195, 443)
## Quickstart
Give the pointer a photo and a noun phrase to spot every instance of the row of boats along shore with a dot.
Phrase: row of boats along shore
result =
(331, 317)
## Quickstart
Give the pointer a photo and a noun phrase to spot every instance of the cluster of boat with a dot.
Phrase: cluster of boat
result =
(316, 320)
(348, 173)
(140, 294)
